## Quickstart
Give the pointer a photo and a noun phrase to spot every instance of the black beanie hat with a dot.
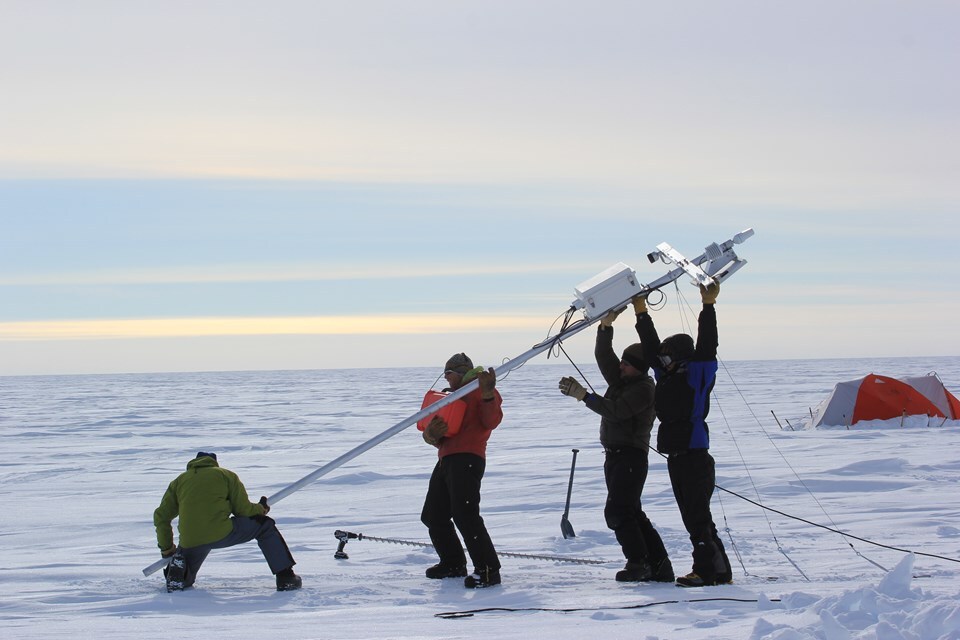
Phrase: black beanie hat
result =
(459, 362)
(680, 346)
(202, 454)
(634, 356)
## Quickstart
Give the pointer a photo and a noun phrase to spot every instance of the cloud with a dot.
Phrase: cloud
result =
(253, 326)
(281, 273)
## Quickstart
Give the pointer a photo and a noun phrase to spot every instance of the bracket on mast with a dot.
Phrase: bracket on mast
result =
(717, 263)
(612, 289)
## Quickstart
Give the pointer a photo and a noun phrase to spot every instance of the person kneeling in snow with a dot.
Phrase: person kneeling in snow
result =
(214, 513)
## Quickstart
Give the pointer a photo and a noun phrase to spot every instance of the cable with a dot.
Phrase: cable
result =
(582, 375)
(794, 471)
(450, 615)
(848, 535)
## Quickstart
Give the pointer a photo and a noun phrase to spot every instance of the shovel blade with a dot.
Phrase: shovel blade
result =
(566, 529)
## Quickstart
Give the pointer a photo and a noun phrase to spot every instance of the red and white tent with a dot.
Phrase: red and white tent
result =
(876, 397)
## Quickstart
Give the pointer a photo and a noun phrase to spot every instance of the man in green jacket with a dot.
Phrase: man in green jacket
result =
(214, 513)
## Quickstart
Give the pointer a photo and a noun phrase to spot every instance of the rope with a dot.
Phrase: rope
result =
(582, 375)
(413, 543)
(848, 535)
(686, 321)
(789, 466)
(450, 615)
(746, 468)
(795, 474)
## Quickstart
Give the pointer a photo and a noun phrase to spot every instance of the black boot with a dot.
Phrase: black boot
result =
(482, 578)
(176, 573)
(443, 570)
(662, 571)
(634, 572)
(287, 580)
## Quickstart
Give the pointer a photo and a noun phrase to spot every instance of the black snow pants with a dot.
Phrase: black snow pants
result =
(693, 477)
(453, 498)
(625, 472)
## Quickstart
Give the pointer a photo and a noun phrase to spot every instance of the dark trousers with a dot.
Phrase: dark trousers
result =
(261, 528)
(625, 472)
(453, 498)
(693, 477)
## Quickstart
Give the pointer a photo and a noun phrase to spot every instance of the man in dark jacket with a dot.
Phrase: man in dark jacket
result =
(626, 420)
(453, 495)
(214, 512)
(685, 374)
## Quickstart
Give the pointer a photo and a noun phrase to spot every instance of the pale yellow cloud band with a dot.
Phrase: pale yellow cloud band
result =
(231, 326)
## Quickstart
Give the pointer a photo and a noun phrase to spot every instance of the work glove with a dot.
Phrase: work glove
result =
(639, 304)
(607, 321)
(488, 380)
(572, 388)
(435, 431)
(167, 553)
(709, 294)
(263, 503)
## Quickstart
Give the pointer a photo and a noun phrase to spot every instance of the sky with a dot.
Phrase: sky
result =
(194, 186)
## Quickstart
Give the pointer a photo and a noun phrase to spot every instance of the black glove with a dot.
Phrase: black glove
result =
(263, 503)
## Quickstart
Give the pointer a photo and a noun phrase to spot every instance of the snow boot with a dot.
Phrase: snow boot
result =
(176, 573)
(443, 570)
(693, 580)
(662, 571)
(481, 579)
(635, 572)
(287, 580)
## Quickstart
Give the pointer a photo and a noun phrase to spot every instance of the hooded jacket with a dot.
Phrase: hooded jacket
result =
(204, 497)
(683, 395)
(626, 408)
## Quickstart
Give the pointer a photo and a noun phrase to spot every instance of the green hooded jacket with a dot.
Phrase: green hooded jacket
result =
(204, 497)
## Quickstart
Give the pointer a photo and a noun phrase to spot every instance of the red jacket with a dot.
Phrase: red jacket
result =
(480, 418)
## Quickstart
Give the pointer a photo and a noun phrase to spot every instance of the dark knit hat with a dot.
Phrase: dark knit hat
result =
(634, 356)
(459, 362)
(204, 454)
(679, 346)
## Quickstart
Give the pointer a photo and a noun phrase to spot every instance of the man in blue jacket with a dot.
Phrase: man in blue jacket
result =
(686, 373)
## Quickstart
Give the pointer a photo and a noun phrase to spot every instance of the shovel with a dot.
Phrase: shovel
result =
(565, 527)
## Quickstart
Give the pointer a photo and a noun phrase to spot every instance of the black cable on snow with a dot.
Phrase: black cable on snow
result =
(451, 615)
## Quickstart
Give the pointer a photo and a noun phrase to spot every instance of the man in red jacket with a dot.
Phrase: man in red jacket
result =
(453, 495)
